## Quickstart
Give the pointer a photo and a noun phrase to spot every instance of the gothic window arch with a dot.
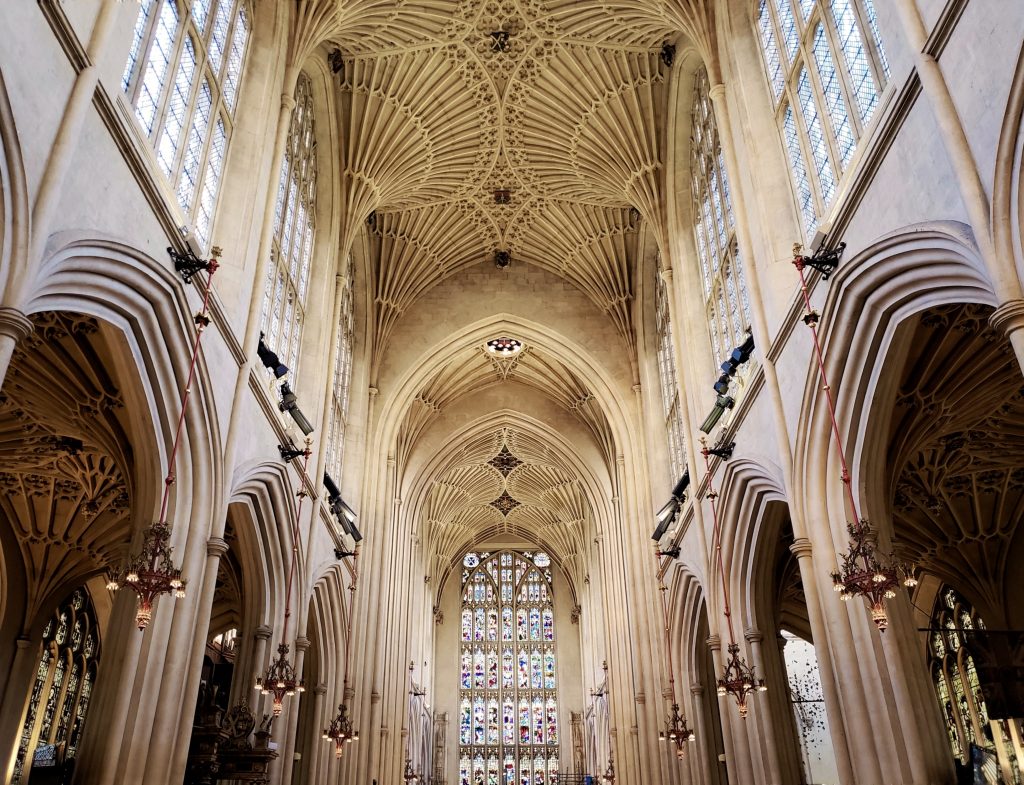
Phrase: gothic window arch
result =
(337, 425)
(284, 295)
(508, 692)
(826, 69)
(726, 303)
(954, 674)
(182, 77)
(672, 411)
(63, 684)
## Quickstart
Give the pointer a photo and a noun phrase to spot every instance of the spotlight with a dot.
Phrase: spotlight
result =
(344, 514)
(738, 356)
(666, 515)
(270, 359)
(289, 403)
(722, 402)
(722, 385)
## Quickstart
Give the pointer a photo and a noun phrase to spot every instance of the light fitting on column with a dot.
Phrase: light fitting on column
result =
(151, 572)
(270, 359)
(677, 731)
(863, 570)
(667, 515)
(340, 731)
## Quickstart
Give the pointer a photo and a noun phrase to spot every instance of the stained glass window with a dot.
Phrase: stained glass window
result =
(508, 715)
(826, 69)
(183, 89)
(725, 292)
(673, 415)
(60, 693)
(958, 688)
(284, 296)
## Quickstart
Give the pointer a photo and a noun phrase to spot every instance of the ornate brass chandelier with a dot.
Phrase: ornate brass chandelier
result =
(282, 679)
(151, 572)
(738, 678)
(864, 571)
(677, 732)
(340, 731)
(409, 775)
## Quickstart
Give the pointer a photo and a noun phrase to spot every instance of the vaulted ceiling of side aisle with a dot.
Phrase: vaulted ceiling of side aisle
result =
(460, 141)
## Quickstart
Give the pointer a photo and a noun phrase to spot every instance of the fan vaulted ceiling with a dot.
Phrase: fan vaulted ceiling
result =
(442, 111)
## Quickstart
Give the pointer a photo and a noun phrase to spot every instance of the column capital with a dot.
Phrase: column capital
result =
(666, 275)
(1008, 317)
(801, 547)
(714, 642)
(216, 546)
(287, 102)
(320, 689)
(302, 643)
(263, 633)
(15, 324)
(23, 642)
(716, 91)
(753, 635)
(697, 689)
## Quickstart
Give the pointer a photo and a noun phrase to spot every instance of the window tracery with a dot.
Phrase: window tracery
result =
(341, 387)
(958, 689)
(726, 303)
(182, 77)
(508, 692)
(827, 69)
(284, 296)
(673, 416)
(63, 684)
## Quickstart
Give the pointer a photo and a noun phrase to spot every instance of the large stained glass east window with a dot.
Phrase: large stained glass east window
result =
(508, 696)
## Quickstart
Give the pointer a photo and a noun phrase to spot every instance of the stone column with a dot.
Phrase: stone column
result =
(762, 713)
(320, 722)
(1001, 268)
(700, 757)
(802, 549)
(257, 667)
(13, 706)
(291, 717)
(14, 328)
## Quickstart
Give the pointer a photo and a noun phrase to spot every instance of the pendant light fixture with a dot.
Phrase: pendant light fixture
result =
(677, 732)
(282, 680)
(738, 678)
(151, 572)
(340, 730)
(863, 570)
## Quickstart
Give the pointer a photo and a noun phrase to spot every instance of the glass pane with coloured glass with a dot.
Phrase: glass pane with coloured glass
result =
(726, 303)
(182, 76)
(951, 662)
(667, 375)
(508, 689)
(826, 71)
(61, 690)
(284, 296)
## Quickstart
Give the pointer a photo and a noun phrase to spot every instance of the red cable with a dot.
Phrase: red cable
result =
(296, 542)
(717, 539)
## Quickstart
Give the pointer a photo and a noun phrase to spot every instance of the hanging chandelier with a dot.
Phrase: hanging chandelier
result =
(409, 775)
(151, 572)
(609, 773)
(282, 680)
(341, 733)
(738, 678)
(864, 571)
(678, 732)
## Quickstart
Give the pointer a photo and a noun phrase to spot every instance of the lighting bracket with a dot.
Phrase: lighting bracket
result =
(672, 552)
(722, 449)
(188, 264)
(340, 553)
(824, 261)
(289, 452)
